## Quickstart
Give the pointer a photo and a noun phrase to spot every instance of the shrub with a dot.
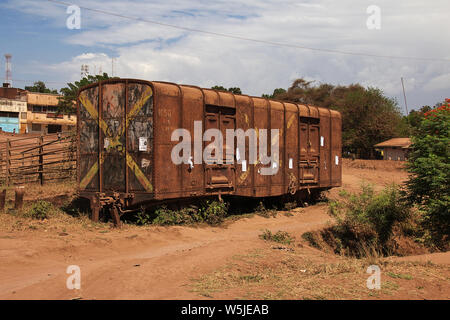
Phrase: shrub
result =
(40, 210)
(166, 216)
(429, 168)
(280, 237)
(366, 220)
(212, 213)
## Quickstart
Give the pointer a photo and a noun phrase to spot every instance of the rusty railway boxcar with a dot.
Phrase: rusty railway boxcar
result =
(125, 143)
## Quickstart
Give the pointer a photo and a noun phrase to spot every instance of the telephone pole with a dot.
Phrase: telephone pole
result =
(404, 96)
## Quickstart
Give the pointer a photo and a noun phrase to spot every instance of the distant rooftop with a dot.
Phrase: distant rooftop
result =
(395, 142)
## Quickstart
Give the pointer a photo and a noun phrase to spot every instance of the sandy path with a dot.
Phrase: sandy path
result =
(155, 263)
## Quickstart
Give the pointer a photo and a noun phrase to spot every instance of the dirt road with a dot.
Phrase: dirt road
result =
(147, 262)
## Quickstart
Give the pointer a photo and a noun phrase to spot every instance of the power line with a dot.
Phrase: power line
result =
(54, 82)
(224, 35)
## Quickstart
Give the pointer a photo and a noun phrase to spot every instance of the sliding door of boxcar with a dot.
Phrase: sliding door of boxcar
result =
(140, 137)
(220, 177)
(113, 136)
(309, 150)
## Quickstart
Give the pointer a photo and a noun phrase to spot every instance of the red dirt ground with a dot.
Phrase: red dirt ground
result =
(162, 262)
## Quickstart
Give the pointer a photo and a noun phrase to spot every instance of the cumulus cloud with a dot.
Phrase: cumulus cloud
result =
(157, 52)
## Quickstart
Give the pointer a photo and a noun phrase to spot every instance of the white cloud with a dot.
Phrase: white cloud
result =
(155, 52)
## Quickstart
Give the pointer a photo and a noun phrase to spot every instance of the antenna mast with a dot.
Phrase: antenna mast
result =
(8, 75)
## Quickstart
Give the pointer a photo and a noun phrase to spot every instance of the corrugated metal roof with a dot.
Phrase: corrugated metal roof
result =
(395, 142)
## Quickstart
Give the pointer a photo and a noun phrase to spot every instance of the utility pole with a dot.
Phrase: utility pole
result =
(404, 96)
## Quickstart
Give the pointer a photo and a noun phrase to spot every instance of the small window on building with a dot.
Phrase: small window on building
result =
(37, 109)
(23, 115)
(36, 127)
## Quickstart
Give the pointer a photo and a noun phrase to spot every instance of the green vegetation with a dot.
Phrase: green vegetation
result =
(429, 166)
(368, 116)
(40, 210)
(39, 86)
(399, 276)
(282, 237)
(234, 90)
(211, 212)
(66, 103)
(262, 211)
(365, 223)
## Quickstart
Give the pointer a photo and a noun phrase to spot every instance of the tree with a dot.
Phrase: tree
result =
(411, 122)
(39, 86)
(276, 92)
(368, 117)
(66, 103)
(234, 90)
(429, 168)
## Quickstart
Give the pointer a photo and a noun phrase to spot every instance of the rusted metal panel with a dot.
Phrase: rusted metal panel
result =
(113, 137)
(325, 147)
(139, 124)
(211, 97)
(88, 139)
(261, 121)
(193, 112)
(276, 122)
(336, 149)
(168, 111)
(226, 99)
(291, 150)
(244, 170)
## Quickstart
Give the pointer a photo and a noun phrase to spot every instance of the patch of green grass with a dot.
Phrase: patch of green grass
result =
(40, 210)
(251, 278)
(311, 239)
(399, 276)
(282, 237)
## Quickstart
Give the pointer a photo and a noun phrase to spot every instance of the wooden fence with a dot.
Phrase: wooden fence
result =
(38, 158)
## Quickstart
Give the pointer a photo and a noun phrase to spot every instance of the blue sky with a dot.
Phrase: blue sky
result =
(43, 48)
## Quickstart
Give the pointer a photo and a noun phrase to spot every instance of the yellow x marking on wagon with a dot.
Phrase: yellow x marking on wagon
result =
(115, 141)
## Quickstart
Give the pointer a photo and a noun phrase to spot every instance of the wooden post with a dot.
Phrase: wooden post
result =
(2, 200)
(41, 160)
(8, 156)
(19, 198)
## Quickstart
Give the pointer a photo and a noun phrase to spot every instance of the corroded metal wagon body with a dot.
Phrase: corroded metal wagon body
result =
(125, 144)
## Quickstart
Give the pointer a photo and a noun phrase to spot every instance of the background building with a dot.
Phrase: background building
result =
(22, 111)
(395, 149)
(43, 117)
(13, 109)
